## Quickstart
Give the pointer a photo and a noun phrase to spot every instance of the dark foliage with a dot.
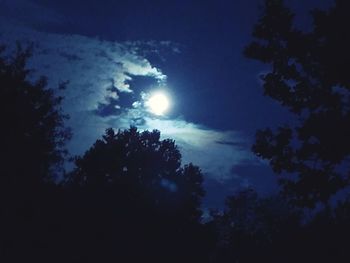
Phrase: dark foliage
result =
(32, 151)
(32, 129)
(253, 229)
(133, 201)
(309, 75)
(141, 167)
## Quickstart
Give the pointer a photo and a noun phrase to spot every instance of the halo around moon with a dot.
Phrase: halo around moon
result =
(158, 103)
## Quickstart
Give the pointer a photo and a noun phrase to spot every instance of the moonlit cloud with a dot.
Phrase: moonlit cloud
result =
(99, 74)
(97, 71)
(201, 146)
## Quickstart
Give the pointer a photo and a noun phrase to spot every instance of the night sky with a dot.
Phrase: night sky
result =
(116, 54)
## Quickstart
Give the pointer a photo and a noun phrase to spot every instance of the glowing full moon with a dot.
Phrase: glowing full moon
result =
(158, 103)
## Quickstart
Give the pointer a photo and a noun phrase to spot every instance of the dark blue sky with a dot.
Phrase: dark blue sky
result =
(211, 83)
(211, 73)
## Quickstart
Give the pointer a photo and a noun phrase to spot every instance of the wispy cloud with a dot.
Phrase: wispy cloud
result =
(201, 145)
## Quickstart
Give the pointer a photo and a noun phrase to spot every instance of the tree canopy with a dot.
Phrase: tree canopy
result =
(32, 131)
(142, 166)
(131, 187)
(308, 74)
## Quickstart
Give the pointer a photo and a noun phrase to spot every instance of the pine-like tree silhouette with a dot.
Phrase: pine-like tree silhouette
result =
(309, 74)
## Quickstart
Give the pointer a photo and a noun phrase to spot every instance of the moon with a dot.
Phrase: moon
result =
(158, 103)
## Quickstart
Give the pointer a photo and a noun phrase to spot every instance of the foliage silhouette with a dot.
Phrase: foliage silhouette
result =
(253, 228)
(269, 229)
(308, 75)
(32, 151)
(143, 167)
(33, 133)
(130, 188)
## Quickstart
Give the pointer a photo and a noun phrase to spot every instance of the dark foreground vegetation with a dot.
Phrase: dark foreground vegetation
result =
(129, 198)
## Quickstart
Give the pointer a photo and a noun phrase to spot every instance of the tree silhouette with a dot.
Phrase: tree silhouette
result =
(141, 165)
(33, 133)
(131, 189)
(32, 151)
(308, 74)
(252, 229)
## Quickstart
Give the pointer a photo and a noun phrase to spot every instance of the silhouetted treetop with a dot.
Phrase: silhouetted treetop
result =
(309, 74)
(32, 130)
(141, 165)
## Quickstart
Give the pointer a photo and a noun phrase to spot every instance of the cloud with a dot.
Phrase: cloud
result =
(215, 151)
(202, 146)
(85, 62)
(98, 71)
(100, 74)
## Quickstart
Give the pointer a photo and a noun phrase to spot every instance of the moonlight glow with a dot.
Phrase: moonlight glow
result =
(158, 103)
